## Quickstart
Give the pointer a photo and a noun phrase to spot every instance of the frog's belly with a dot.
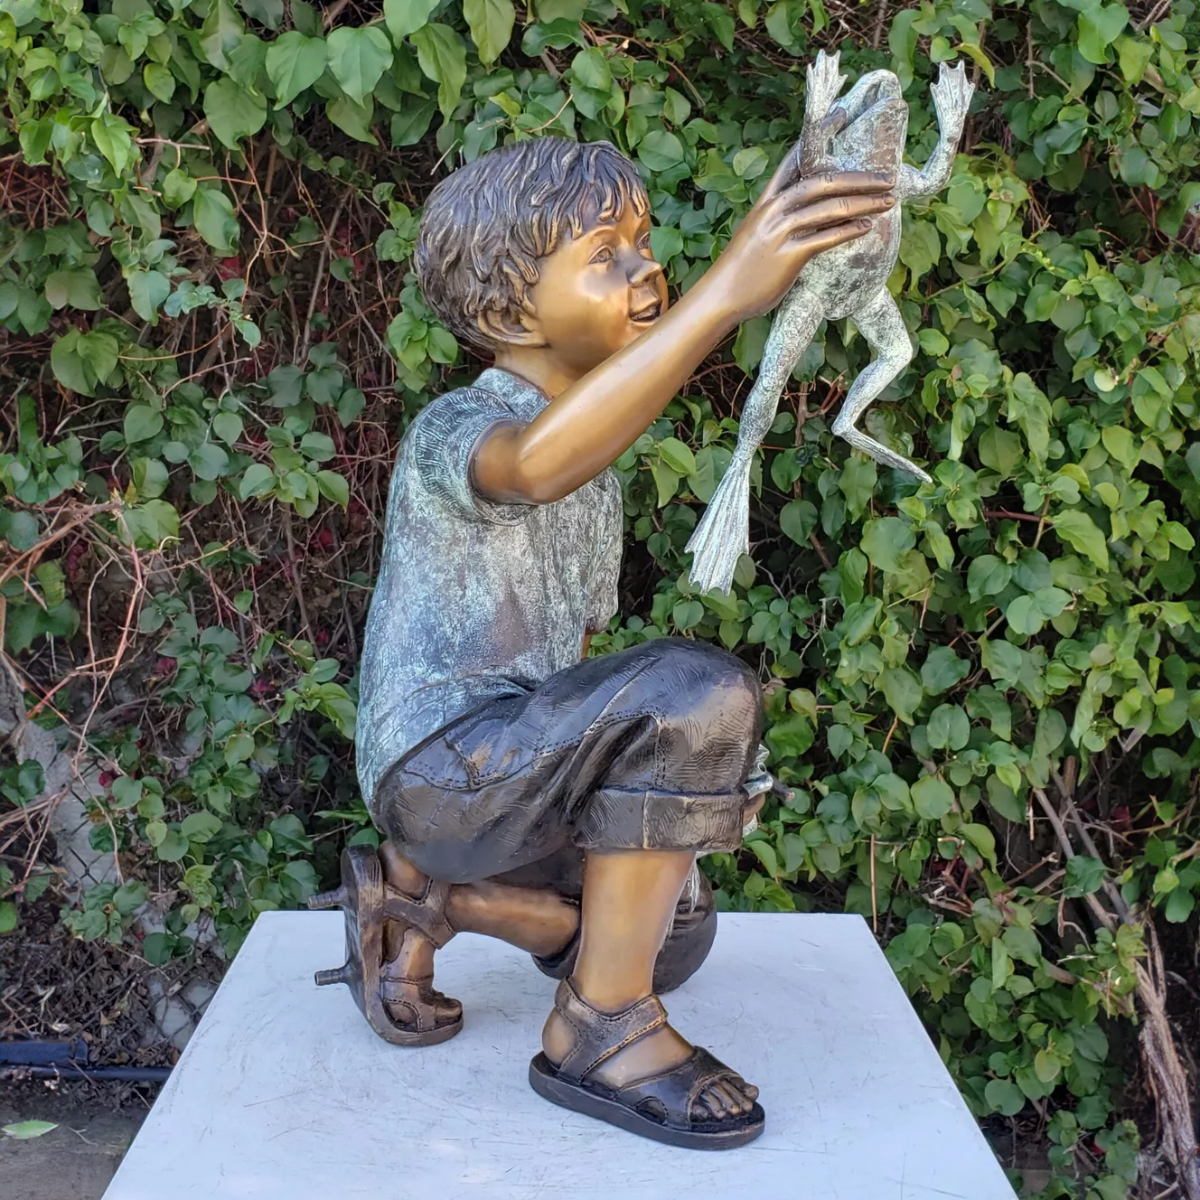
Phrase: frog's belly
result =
(843, 279)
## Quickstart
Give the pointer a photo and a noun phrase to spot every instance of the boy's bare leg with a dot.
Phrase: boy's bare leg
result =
(535, 919)
(629, 897)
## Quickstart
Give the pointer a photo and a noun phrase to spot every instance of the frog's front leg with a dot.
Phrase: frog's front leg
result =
(952, 98)
(723, 533)
(882, 325)
(824, 82)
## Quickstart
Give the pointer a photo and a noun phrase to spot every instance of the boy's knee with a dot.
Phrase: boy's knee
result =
(706, 691)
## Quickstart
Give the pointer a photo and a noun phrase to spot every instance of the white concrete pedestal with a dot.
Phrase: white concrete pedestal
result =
(284, 1093)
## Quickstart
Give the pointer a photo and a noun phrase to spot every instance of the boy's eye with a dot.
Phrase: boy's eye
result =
(603, 255)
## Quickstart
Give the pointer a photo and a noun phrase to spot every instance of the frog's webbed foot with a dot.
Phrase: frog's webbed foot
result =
(883, 327)
(952, 98)
(824, 83)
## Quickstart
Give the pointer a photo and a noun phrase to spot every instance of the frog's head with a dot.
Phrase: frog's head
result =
(871, 119)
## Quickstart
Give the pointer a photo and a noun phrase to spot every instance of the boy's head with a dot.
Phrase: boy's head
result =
(542, 244)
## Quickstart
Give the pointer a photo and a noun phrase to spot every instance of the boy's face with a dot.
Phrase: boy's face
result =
(598, 291)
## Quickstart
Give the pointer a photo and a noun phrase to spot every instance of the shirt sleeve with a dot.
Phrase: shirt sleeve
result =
(603, 600)
(445, 437)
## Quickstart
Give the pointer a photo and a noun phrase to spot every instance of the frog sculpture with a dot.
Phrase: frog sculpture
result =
(865, 130)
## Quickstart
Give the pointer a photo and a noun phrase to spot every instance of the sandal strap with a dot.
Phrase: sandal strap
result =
(427, 915)
(678, 1089)
(600, 1035)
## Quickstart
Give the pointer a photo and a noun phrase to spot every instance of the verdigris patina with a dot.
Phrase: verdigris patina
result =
(865, 130)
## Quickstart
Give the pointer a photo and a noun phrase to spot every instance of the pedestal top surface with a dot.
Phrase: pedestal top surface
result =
(284, 1093)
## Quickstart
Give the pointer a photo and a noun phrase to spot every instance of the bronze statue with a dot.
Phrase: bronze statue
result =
(526, 791)
(864, 130)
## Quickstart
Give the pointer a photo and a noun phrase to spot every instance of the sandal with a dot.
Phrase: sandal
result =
(404, 1010)
(659, 1106)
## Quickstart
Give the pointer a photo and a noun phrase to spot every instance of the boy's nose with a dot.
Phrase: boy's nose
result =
(645, 270)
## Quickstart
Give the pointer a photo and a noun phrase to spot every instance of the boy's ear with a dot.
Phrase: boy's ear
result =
(502, 328)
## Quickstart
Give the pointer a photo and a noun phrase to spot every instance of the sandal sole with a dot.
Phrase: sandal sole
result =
(544, 1080)
(362, 899)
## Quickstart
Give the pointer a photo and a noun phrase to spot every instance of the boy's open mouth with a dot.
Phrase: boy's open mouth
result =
(647, 314)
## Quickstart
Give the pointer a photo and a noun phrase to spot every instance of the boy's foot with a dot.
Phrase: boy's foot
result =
(633, 1070)
(392, 983)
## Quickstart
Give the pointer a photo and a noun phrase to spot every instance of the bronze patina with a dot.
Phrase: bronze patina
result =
(526, 791)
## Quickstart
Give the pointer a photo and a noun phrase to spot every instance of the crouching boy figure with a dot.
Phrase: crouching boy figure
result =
(525, 791)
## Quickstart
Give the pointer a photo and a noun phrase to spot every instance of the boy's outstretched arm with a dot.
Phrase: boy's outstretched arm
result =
(595, 420)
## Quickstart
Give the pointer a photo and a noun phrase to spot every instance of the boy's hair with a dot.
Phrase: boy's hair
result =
(485, 226)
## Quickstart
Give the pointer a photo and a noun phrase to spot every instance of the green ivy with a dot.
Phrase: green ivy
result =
(947, 666)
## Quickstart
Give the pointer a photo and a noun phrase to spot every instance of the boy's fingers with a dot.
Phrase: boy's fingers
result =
(838, 183)
(836, 211)
(826, 239)
(784, 177)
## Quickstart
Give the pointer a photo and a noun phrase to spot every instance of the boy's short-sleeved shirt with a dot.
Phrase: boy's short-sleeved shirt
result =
(475, 599)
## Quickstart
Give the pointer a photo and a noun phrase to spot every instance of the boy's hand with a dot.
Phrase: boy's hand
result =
(790, 224)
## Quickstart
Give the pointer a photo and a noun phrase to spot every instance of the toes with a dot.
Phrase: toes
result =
(713, 1100)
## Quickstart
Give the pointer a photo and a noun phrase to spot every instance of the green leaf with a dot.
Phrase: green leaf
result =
(233, 112)
(1084, 876)
(443, 58)
(212, 215)
(159, 81)
(24, 1130)
(257, 480)
(677, 456)
(220, 34)
(491, 24)
(1004, 1096)
(933, 798)
(590, 68)
(178, 188)
(333, 487)
(660, 150)
(265, 12)
(902, 690)
(209, 461)
(8, 922)
(1098, 30)
(294, 62)
(142, 422)
(885, 539)
(405, 17)
(982, 838)
(157, 948)
(351, 118)
(1080, 532)
(200, 827)
(948, 728)
(77, 287)
(988, 576)
(943, 669)
(797, 519)
(147, 291)
(358, 58)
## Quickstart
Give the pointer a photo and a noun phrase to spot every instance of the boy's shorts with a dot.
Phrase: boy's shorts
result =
(645, 749)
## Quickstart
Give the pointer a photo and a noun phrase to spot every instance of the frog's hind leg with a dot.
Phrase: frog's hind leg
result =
(882, 325)
(724, 531)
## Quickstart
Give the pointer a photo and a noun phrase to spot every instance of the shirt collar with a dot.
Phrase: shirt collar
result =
(524, 398)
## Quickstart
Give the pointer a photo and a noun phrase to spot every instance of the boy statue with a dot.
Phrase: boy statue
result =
(524, 790)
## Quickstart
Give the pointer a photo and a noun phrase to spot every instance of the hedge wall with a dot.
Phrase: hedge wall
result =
(984, 691)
